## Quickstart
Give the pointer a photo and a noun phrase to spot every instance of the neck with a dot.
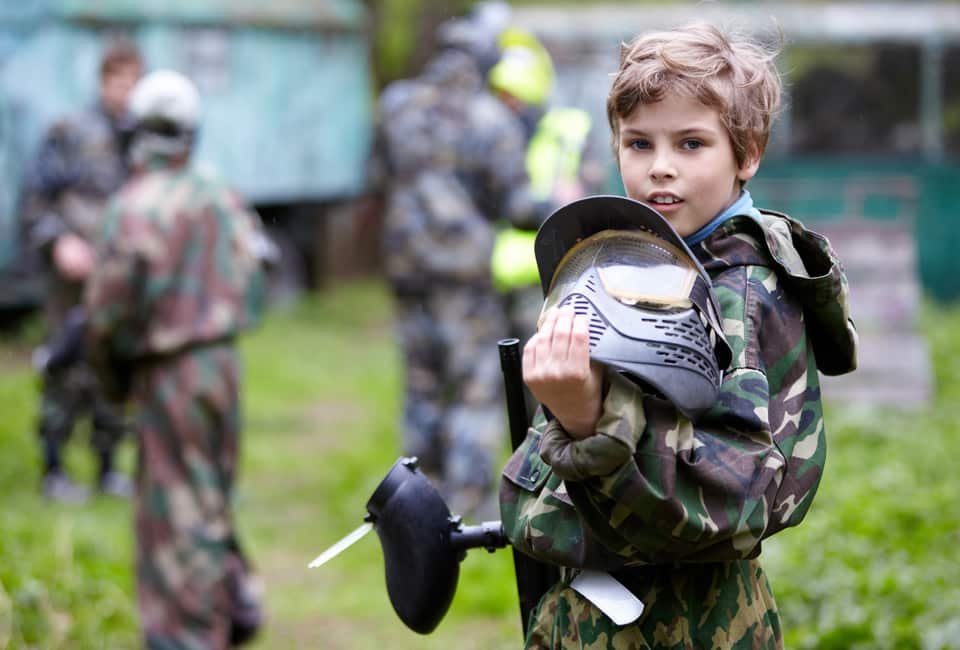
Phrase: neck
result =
(743, 205)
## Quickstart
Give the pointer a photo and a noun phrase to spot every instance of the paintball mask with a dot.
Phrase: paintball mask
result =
(651, 312)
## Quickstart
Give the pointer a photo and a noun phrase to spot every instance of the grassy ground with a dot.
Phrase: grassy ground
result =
(873, 566)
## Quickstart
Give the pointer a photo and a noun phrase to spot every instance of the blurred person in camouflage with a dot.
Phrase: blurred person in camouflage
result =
(559, 160)
(81, 162)
(668, 505)
(178, 278)
(454, 162)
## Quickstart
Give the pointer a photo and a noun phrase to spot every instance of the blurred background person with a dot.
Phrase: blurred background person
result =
(178, 278)
(454, 160)
(80, 163)
(558, 160)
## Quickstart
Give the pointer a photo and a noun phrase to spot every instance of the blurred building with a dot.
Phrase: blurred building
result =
(287, 100)
(867, 149)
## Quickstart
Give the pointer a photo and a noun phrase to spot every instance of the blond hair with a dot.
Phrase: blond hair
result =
(733, 75)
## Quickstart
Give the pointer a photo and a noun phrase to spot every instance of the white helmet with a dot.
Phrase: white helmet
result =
(165, 109)
(167, 97)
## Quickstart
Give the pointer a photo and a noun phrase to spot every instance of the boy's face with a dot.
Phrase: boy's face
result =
(116, 85)
(676, 156)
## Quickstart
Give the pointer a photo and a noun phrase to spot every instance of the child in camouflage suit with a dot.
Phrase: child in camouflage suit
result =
(681, 522)
(178, 278)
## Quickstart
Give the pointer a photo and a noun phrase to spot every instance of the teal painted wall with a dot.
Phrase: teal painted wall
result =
(286, 87)
(924, 193)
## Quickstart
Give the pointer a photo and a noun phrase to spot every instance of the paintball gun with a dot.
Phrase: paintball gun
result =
(66, 348)
(423, 543)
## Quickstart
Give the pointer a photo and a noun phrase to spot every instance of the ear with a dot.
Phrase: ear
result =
(749, 167)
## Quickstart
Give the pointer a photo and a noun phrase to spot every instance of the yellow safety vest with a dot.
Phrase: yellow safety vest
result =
(553, 155)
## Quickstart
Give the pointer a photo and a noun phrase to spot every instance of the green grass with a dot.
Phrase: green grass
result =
(873, 565)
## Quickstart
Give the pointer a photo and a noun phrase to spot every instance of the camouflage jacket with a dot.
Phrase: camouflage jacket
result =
(707, 491)
(179, 265)
(455, 163)
(79, 165)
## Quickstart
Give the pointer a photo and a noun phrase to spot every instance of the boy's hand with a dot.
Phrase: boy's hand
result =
(73, 257)
(559, 373)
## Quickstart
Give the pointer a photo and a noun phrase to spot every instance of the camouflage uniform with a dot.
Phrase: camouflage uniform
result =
(80, 164)
(455, 162)
(681, 524)
(179, 279)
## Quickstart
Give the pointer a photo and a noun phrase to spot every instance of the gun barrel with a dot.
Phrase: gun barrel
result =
(67, 348)
(510, 364)
(488, 535)
(533, 577)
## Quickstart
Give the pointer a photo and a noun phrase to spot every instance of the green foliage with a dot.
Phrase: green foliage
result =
(396, 35)
(65, 578)
(873, 565)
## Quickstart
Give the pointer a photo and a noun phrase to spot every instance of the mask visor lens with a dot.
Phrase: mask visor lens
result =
(641, 270)
(635, 267)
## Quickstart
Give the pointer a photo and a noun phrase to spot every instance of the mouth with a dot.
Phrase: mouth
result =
(665, 202)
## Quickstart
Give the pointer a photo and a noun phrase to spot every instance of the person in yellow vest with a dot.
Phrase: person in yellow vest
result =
(523, 79)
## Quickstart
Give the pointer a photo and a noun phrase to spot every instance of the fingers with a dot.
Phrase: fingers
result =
(529, 360)
(554, 335)
(544, 348)
(579, 353)
(558, 371)
(562, 341)
(562, 330)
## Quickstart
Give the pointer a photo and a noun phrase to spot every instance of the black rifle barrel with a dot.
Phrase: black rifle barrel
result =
(534, 578)
(510, 364)
(488, 535)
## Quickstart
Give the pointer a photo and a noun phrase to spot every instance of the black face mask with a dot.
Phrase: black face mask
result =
(649, 305)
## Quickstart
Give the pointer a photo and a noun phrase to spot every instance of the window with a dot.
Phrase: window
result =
(855, 99)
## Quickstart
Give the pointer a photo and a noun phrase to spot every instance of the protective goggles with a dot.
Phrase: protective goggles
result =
(635, 268)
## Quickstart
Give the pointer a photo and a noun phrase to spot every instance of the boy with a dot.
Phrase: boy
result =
(178, 279)
(81, 162)
(681, 520)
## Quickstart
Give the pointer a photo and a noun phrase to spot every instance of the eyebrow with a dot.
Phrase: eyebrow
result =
(694, 130)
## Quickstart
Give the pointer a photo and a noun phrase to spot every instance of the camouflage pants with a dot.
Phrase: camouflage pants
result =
(190, 570)
(73, 392)
(717, 606)
(453, 417)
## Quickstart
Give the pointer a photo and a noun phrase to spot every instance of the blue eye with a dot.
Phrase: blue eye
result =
(640, 144)
(691, 144)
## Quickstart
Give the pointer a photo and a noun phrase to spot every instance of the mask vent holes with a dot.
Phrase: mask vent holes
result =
(582, 307)
(689, 332)
(677, 356)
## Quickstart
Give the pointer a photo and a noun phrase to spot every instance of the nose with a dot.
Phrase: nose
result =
(661, 166)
